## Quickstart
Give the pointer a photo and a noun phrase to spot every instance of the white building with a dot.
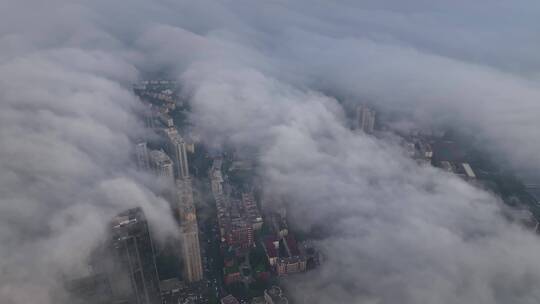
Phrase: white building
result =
(162, 165)
(365, 119)
(468, 171)
(178, 150)
(141, 153)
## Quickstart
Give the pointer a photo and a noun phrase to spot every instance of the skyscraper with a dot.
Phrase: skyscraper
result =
(191, 251)
(91, 289)
(141, 152)
(132, 245)
(162, 165)
(365, 119)
(177, 150)
(216, 178)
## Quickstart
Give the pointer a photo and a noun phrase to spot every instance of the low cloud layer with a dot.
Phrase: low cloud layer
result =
(262, 75)
(395, 231)
(66, 123)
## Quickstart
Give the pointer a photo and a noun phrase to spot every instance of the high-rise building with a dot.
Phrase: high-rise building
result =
(91, 289)
(162, 165)
(133, 248)
(216, 178)
(191, 251)
(177, 149)
(141, 152)
(149, 115)
(252, 211)
(365, 119)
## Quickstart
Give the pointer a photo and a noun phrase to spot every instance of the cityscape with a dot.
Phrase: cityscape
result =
(269, 152)
(237, 256)
(243, 247)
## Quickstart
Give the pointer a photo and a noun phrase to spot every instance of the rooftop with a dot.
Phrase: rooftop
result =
(270, 247)
(127, 217)
(160, 157)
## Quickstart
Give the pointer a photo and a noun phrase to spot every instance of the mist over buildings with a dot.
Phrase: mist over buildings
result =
(269, 75)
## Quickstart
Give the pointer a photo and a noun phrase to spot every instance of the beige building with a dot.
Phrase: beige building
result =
(191, 251)
(141, 153)
(178, 150)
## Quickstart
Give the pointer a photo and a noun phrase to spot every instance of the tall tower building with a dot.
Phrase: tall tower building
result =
(365, 119)
(141, 152)
(191, 251)
(216, 178)
(177, 150)
(133, 247)
(162, 165)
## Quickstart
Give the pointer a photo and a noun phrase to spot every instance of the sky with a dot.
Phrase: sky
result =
(268, 75)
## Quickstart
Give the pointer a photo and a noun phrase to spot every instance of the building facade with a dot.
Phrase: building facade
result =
(240, 233)
(191, 251)
(133, 248)
(162, 165)
(365, 119)
(178, 151)
(141, 153)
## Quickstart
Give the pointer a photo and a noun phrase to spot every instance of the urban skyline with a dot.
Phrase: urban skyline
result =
(269, 152)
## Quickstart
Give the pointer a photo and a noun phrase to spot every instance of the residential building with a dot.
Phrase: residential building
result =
(288, 265)
(271, 248)
(166, 120)
(291, 260)
(240, 233)
(216, 178)
(141, 153)
(424, 151)
(252, 211)
(178, 152)
(284, 255)
(191, 251)
(365, 119)
(162, 165)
